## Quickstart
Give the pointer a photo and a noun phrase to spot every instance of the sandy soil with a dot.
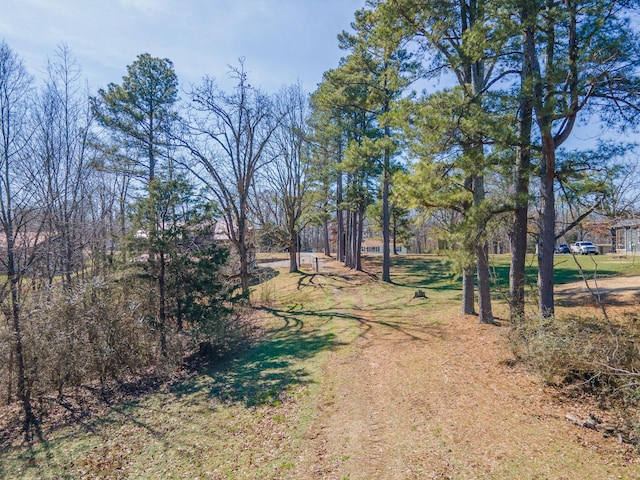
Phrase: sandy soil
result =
(411, 401)
(616, 291)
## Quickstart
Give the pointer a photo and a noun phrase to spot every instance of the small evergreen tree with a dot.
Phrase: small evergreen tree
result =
(179, 261)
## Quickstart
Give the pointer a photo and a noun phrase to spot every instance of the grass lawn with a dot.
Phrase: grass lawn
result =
(567, 267)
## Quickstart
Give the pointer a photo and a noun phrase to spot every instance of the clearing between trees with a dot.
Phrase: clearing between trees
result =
(352, 378)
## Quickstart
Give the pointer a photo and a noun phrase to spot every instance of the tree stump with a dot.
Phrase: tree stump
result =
(419, 294)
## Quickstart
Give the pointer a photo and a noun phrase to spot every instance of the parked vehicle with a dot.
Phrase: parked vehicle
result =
(584, 248)
(562, 248)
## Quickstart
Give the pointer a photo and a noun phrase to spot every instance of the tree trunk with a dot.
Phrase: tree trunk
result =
(24, 390)
(386, 255)
(162, 312)
(482, 255)
(517, 278)
(123, 223)
(68, 253)
(546, 240)
(349, 239)
(468, 281)
(468, 298)
(522, 172)
(9, 380)
(327, 246)
(484, 285)
(394, 230)
(244, 270)
(242, 246)
(357, 249)
(518, 236)
(340, 241)
(293, 251)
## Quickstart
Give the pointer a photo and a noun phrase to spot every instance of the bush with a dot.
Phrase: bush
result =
(92, 331)
(591, 354)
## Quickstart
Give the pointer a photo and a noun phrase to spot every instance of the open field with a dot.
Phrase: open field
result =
(355, 379)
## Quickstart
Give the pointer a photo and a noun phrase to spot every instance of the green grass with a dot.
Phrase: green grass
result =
(229, 421)
(435, 272)
(566, 267)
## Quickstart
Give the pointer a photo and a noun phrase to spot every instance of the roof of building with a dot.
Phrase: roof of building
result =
(627, 223)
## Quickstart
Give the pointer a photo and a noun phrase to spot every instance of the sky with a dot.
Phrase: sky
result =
(282, 41)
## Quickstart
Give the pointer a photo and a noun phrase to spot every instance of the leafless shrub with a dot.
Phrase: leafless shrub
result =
(95, 331)
(596, 356)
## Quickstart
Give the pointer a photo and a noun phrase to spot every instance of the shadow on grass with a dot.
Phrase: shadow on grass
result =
(565, 268)
(273, 367)
(40, 459)
(266, 371)
(370, 316)
(343, 277)
(262, 274)
(262, 375)
(423, 272)
(568, 274)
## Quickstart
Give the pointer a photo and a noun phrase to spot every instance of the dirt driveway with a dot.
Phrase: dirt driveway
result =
(615, 292)
(304, 258)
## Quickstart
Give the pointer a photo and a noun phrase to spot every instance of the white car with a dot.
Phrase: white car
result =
(584, 248)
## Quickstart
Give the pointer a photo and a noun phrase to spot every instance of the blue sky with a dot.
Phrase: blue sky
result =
(282, 41)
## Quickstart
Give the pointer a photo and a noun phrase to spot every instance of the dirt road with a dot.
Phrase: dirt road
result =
(304, 258)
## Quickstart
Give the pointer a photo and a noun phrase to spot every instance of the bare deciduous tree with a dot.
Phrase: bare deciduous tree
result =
(229, 138)
(61, 149)
(287, 174)
(19, 219)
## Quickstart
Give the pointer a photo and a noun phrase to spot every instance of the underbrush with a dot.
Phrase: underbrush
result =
(98, 341)
(587, 356)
